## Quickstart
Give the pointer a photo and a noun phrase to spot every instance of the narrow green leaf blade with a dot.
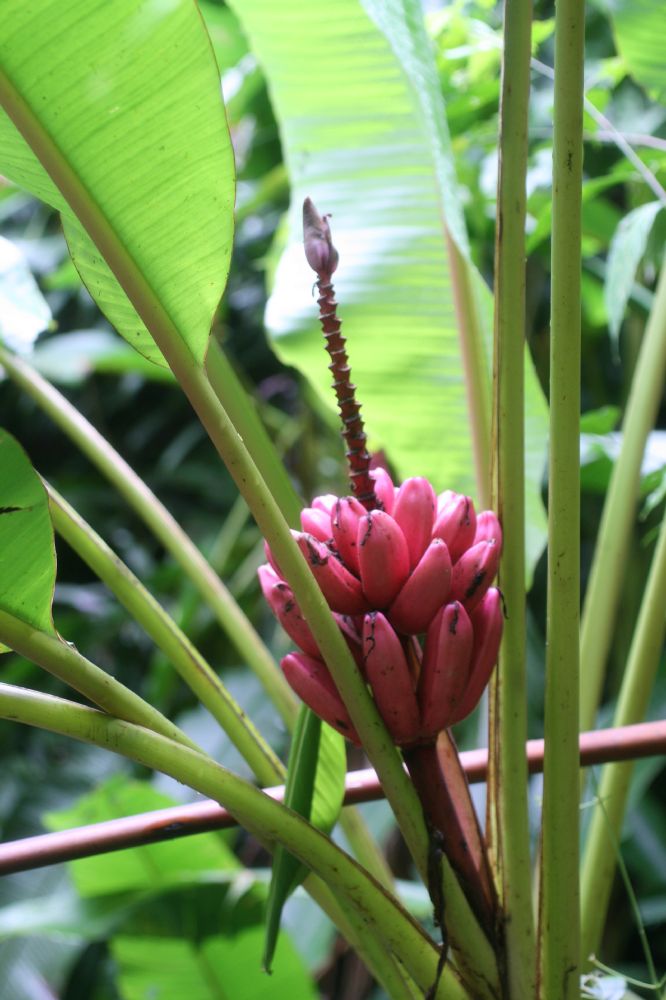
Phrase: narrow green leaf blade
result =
(624, 255)
(315, 789)
(27, 550)
(142, 130)
(329, 788)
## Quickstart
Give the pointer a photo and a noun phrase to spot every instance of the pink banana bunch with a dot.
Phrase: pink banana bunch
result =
(409, 587)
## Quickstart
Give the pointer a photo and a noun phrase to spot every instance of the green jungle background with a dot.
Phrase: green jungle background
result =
(101, 929)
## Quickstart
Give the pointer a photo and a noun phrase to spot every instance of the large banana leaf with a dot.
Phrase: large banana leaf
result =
(120, 104)
(639, 27)
(356, 93)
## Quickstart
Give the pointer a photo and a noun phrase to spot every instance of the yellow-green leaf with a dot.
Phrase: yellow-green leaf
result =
(113, 115)
(27, 551)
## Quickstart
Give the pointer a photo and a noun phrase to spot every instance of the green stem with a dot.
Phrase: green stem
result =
(242, 412)
(610, 554)
(270, 821)
(371, 949)
(600, 855)
(267, 514)
(188, 661)
(507, 790)
(67, 664)
(559, 920)
(472, 953)
(155, 515)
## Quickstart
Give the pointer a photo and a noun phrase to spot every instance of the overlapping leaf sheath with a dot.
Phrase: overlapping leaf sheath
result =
(409, 584)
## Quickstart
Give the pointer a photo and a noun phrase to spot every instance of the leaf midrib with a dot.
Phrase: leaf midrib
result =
(87, 210)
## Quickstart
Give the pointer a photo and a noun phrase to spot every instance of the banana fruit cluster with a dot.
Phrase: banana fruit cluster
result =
(409, 587)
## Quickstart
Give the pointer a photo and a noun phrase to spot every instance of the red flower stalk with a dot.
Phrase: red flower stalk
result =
(323, 259)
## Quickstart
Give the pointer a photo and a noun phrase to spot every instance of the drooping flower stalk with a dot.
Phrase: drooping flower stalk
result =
(323, 259)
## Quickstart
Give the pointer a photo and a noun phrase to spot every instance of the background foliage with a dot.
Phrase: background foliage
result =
(103, 929)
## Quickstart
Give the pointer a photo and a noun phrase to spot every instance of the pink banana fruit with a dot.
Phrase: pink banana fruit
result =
(272, 560)
(341, 590)
(280, 599)
(317, 522)
(487, 622)
(414, 511)
(488, 528)
(455, 523)
(388, 674)
(267, 578)
(326, 502)
(384, 490)
(445, 668)
(383, 558)
(424, 592)
(344, 523)
(474, 572)
(351, 636)
(443, 499)
(311, 681)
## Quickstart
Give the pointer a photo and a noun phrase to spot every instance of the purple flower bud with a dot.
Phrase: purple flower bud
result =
(320, 253)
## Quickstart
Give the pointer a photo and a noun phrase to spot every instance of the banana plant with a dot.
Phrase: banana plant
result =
(112, 115)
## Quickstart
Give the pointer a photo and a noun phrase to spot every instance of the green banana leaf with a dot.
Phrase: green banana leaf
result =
(356, 94)
(172, 968)
(27, 549)
(121, 104)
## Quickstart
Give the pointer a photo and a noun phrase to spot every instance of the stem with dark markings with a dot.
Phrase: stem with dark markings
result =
(355, 437)
(322, 257)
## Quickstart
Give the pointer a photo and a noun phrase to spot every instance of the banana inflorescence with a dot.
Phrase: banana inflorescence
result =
(409, 587)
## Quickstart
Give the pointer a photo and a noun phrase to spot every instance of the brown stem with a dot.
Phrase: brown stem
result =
(645, 739)
(442, 787)
(353, 432)
(323, 259)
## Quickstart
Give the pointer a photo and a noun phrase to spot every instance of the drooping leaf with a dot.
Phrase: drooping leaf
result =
(357, 97)
(173, 968)
(27, 550)
(624, 255)
(119, 105)
(151, 866)
(69, 358)
(314, 789)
